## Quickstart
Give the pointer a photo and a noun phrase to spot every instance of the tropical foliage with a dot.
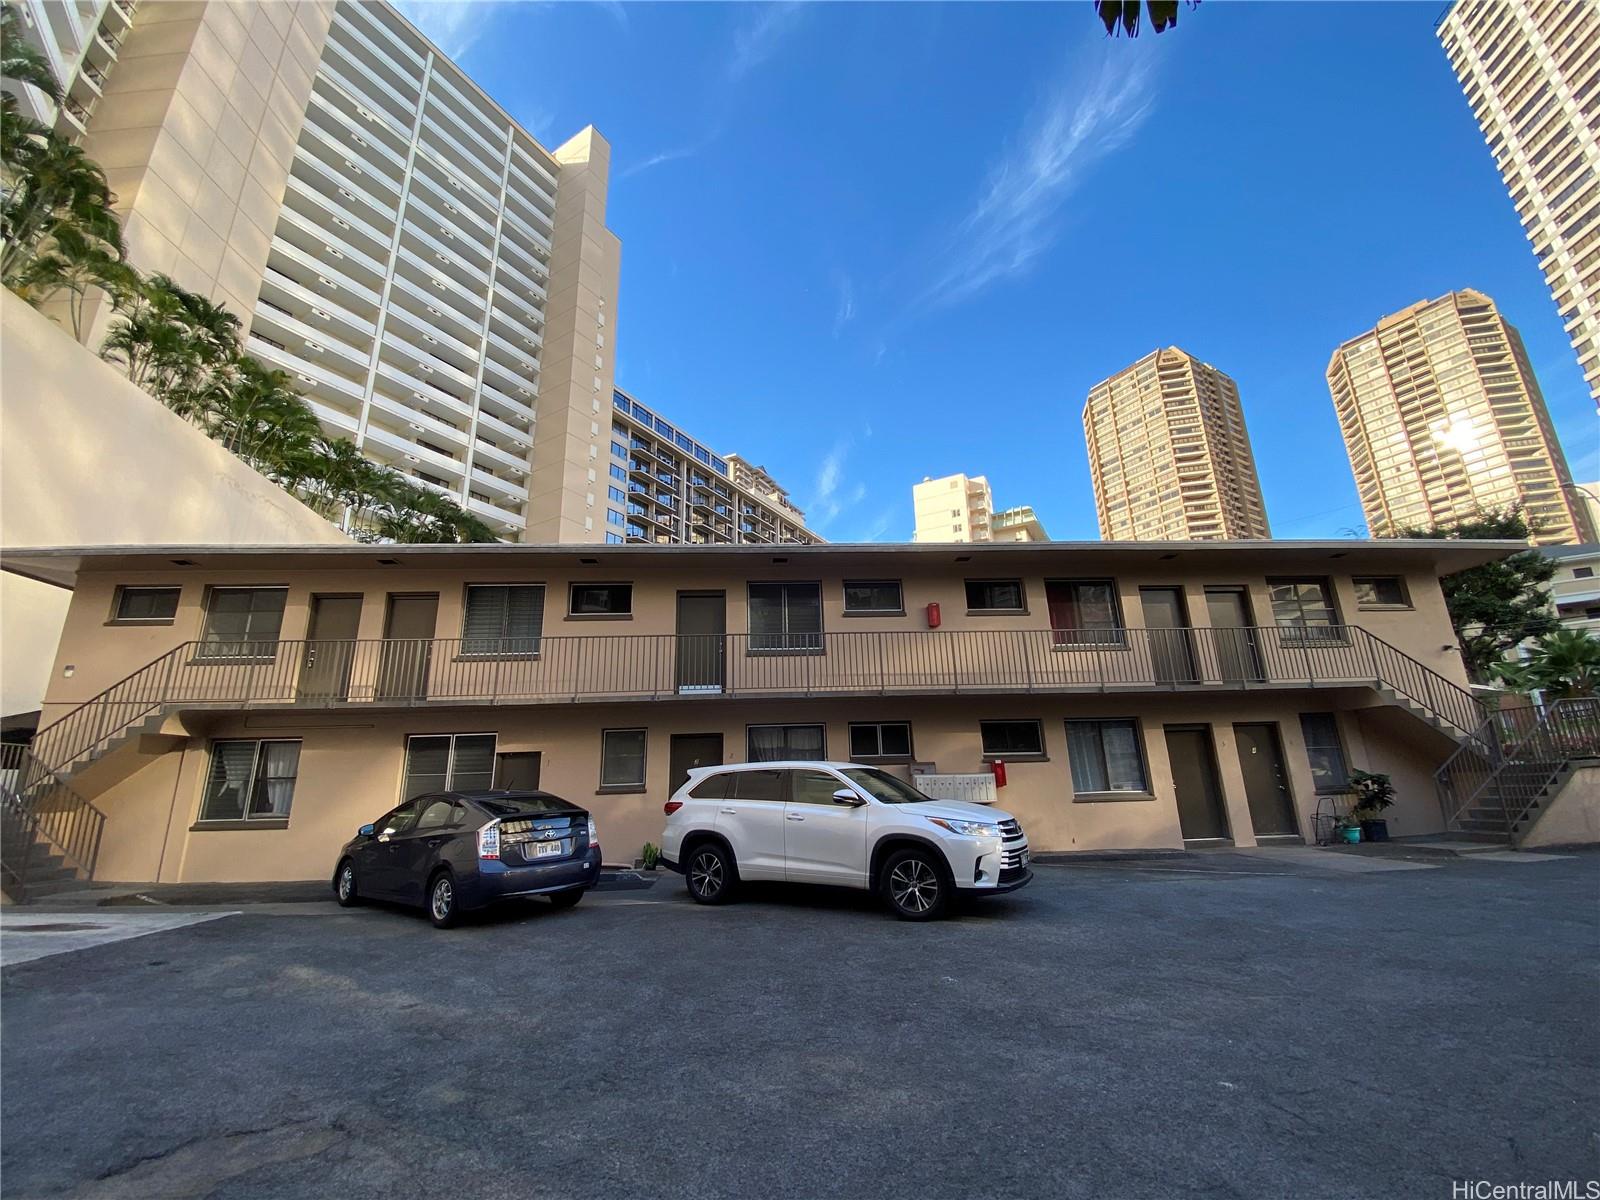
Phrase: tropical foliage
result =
(1499, 605)
(61, 240)
(1561, 664)
(1123, 16)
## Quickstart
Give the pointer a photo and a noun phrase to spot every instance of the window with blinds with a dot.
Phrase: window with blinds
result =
(449, 762)
(503, 620)
(785, 618)
(250, 781)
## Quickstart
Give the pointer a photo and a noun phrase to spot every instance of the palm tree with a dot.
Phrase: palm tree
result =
(20, 61)
(53, 186)
(261, 418)
(1122, 16)
(75, 264)
(1561, 664)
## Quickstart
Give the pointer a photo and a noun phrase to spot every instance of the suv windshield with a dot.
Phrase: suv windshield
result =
(883, 786)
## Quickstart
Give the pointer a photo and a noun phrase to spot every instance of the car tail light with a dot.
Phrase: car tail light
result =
(489, 840)
(671, 806)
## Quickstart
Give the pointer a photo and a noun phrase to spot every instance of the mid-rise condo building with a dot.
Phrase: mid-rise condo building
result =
(665, 486)
(1531, 72)
(80, 39)
(1169, 454)
(1442, 418)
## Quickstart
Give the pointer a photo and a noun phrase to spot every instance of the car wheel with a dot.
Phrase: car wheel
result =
(344, 885)
(443, 907)
(566, 899)
(914, 886)
(710, 874)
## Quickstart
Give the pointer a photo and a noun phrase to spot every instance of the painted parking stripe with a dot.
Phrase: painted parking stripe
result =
(26, 937)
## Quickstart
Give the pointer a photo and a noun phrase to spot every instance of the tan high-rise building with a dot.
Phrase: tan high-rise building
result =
(1169, 455)
(1018, 524)
(1442, 418)
(952, 508)
(1531, 74)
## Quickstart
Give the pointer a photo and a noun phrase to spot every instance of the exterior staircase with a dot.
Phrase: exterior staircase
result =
(52, 821)
(1498, 782)
(49, 834)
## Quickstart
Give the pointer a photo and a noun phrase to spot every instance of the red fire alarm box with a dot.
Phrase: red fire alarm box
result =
(999, 767)
(933, 616)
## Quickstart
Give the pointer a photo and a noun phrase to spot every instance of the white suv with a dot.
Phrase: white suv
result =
(839, 824)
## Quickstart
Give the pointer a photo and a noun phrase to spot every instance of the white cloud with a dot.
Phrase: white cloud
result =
(758, 40)
(845, 312)
(1087, 112)
(452, 25)
(830, 495)
(666, 156)
(879, 525)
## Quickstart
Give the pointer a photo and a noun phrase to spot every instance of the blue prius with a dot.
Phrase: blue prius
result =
(450, 852)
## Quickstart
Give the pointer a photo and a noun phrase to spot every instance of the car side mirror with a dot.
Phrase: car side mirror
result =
(846, 797)
(366, 831)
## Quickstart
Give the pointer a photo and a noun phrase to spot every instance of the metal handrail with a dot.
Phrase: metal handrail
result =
(1513, 758)
(328, 673)
(45, 807)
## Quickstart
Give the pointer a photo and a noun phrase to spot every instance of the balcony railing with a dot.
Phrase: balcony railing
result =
(536, 670)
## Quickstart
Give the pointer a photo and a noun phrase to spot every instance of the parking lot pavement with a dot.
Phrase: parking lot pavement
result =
(1110, 1031)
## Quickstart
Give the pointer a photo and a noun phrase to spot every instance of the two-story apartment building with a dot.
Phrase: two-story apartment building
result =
(235, 714)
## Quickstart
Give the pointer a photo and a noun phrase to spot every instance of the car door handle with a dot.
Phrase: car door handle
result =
(794, 816)
(730, 811)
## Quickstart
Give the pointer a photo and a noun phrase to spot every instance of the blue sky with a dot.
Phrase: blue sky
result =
(864, 243)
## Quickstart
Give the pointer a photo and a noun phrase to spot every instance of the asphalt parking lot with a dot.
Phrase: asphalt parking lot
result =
(1228, 1026)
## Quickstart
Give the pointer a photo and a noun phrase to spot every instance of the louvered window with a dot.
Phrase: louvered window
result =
(503, 620)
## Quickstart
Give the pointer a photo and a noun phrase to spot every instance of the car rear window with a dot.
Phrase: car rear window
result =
(712, 787)
(511, 806)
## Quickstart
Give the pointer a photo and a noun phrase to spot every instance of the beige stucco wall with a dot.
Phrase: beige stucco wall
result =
(196, 134)
(1572, 816)
(353, 757)
(352, 768)
(86, 458)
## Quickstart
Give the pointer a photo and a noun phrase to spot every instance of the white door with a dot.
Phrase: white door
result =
(824, 842)
(751, 818)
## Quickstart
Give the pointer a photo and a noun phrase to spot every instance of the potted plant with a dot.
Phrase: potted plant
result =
(1374, 793)
(650, 856)
(1347, 830)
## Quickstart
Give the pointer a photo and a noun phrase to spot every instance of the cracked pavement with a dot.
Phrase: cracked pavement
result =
(1108, 1032)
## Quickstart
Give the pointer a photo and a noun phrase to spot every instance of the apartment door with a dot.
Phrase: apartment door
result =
(1201, 817)
(1166, 619)
(692, 750)
(330, 648)
(407, 655)
(517, 771)
(1266, 783)
(1234, 635)
(702, 641)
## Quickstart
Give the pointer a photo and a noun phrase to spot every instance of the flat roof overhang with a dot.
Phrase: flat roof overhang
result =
(61, 565)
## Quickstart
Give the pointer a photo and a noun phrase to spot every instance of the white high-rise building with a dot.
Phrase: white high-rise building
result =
(80, 40)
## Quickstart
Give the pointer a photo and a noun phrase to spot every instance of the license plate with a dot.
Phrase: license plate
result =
(546, 849)
(1023, 860)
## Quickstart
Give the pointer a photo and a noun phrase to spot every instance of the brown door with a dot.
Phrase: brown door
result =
(702, 641)
(1166, 620)
(692, 750)
(1233, 635)
(1266, 783)
(517, 771)
(407, 647)
(1194, 778)
(330, 648)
